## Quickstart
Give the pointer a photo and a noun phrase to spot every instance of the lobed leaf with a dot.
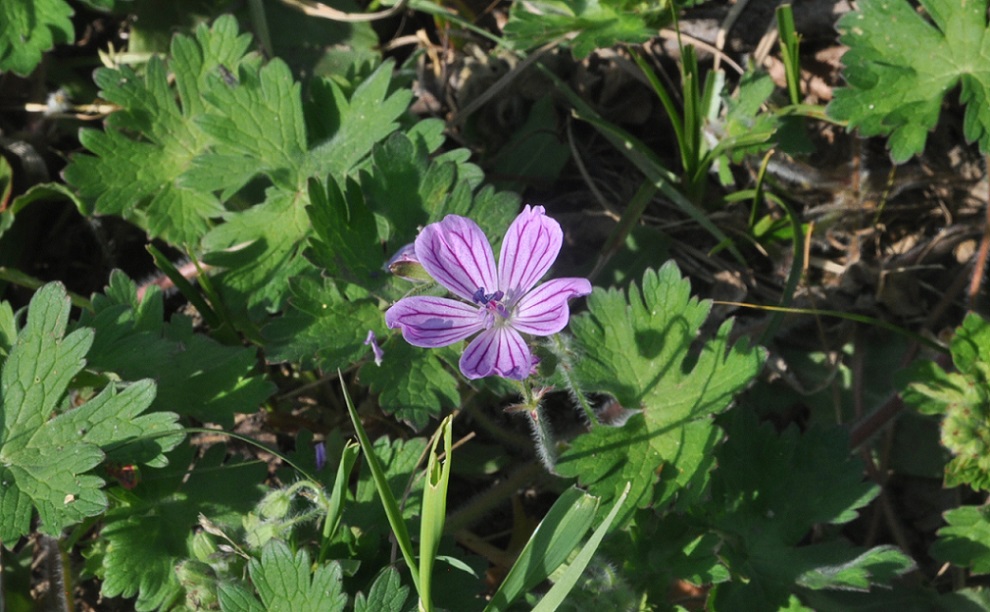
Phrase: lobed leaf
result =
(387, 594)
(28, 28)
(288, 582)
(769, 491)
(203, 379)
(965, 540)
(413, 383)
(597, 23)
(47, 448)
(146, 537)
(640, 352)
(901, 64)
(962, 399)
(152, 141)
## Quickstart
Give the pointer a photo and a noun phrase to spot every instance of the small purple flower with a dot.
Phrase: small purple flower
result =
(321, 455)
(377, 350)
(500, 303)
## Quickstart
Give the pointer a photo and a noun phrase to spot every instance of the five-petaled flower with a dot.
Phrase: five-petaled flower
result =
(501, 304)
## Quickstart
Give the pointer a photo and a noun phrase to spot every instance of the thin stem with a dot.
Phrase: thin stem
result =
(561, 350)
(546, 446)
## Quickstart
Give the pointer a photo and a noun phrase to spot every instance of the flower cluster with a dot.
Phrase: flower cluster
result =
(502, 303)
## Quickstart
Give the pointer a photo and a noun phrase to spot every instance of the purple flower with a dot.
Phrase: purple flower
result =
(500, 303)
(377, 350)
(321, 455)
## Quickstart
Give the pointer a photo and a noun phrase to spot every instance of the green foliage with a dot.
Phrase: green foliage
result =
(397, 191)
(47, 445)
(965, 541)
(386, 595)
(263, 246)
(232, 140)
(295, 193)
(414, 383)
(28, 28)
(142, 158)
(204, 379)
(900, 65)
(145, 536)
(640, 352)
(598, 23)
(288, 582)
(769, 490)
(962, 399)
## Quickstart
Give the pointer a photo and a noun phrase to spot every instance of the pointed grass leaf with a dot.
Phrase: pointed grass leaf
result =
(388, 500)
(434, 508)
(640, 351)
(556, 595)
(560, 531)
(902, 63)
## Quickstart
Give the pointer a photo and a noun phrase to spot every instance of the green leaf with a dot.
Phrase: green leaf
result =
(260, 122)
(28, 28)
(150, 533)
(399, 459)
(900, 65)
(346, 243)
(404, 185)
(965, 541)
(535, 154)
(560, 531)
(236, 598)
(598, 24)
(203, 379)
(152, 141)
(413, 382)
(640, 352)
(259, 250)
(368, 117)
(44, 458)
(324, 326)
(288, 582)
(962, 399)
(769, 491)
(555, 596)
(747, 129)
(386, 595)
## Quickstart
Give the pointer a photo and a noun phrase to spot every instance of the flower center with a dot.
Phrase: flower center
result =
(491, 304)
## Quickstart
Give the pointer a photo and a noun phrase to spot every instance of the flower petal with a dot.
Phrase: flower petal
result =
(457, 255)
(500, 351)
(544, 311)
(529, 249)
(432, 322)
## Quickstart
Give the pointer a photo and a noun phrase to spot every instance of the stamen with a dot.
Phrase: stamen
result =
(492, 303)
